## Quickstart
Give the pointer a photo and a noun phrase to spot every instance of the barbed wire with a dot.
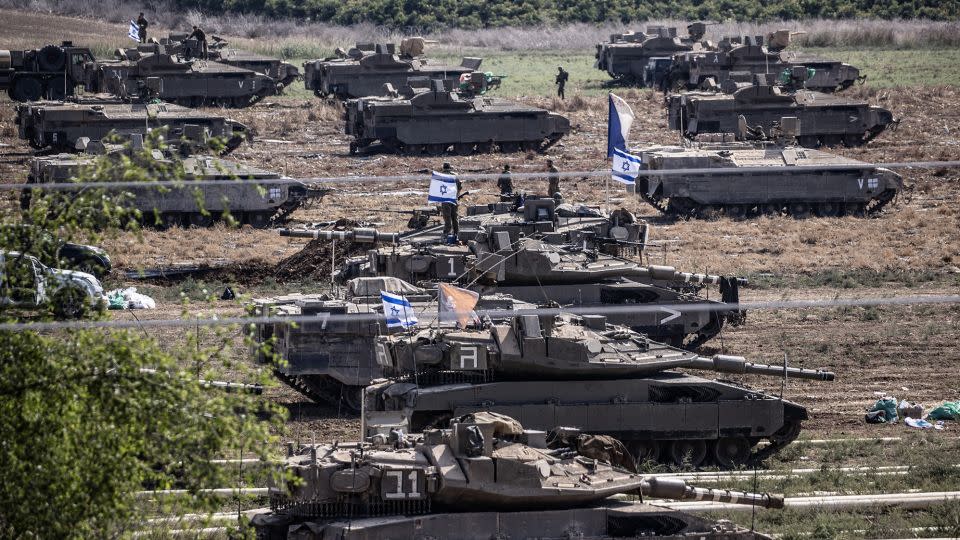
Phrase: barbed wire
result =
(373, 315)
(425, 177)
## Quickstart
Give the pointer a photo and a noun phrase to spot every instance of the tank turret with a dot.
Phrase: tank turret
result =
(487, 470)
(365, 69)
(627, 57)
(595, 377)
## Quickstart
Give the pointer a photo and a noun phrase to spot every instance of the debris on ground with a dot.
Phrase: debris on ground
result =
(950, 410)
(129, 298)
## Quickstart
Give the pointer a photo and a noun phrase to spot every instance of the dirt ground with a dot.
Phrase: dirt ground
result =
(908, 352)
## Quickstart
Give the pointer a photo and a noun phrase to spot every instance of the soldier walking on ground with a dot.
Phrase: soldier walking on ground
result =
(505, 182)
(449, 210)
(201, 37)
(561, 81)
(553, 179)
(142, 28)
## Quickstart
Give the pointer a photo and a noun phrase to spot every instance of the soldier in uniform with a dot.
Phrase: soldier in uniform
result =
(505, 182)
(561, 81)
(142, 28)
(553, 179)
(201, 37)
(449, 210)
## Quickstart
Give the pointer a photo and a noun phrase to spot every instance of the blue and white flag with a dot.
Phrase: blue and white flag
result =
(134, 32)
(618, 124)
(398, 311)
(626, 166)
(443, 188)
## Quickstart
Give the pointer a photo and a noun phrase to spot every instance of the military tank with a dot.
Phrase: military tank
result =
(365, 69)
(191, 83)
(747, 56)
(584, 373)
(483, 477)
(260, 205)
(626, 57)
(749, 179)
(59, 125)
(333, 359)
(436, 120)
(539, 257)
(178, 44)
(823, 119)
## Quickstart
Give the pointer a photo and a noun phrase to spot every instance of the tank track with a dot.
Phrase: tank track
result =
(320, 389)
(687, 209)
(780, 440)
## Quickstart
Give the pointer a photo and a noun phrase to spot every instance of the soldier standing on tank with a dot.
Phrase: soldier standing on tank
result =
(201, 37)
(561, 81)
(553, 179)
(505, 182)
(449, 210)
(142, 28)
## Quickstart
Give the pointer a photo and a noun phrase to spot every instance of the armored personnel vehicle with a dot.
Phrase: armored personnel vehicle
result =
(761, 178)
(60, 125)
(260, 205)
(483, 477)
(283, 73)
(823, 119)
(365, 69)
(186, 82)
(626, 56)
(51, 72)
(332, 360)
(586, 374)
(436, 120)
(749, 56)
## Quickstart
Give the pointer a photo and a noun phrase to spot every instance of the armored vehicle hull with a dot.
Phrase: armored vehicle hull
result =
(248, 202)
(744, 180)
(823, 119)
(60, 125)
(436, 122)
(626, 57)
(186, 82)
(348, 78)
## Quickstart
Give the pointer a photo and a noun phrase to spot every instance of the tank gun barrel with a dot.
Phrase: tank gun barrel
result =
(364, 235)
(738, 364)
(669, 273)
(675, 488)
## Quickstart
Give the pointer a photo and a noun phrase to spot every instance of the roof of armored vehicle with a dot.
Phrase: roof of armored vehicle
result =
(747, 155)
(119, 110)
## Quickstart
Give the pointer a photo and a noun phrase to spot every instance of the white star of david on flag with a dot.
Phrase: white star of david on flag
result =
(398, 311)
(626, 166)
(443, 188)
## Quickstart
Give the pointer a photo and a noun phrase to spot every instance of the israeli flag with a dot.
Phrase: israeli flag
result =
(443, 188)
(134, 32)
(626, 166)
(398, 311)
(618, 124)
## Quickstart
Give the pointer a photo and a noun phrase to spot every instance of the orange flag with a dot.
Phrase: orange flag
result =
(457, 304)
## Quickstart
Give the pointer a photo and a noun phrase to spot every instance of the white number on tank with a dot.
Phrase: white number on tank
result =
(872, 183)
(469, 355)
(399, 491)
(453, 271)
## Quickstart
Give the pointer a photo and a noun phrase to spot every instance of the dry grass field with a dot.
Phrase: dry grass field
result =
(913, 247)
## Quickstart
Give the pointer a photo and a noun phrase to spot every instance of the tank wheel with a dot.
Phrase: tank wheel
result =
(436, 149)
(799, 210)
(463, 149)
(171, 219)
(709, 211)
(529, 146)
(413, 149)
(809, 141)
(198, 219)
(730, 452)
(736, 211)
(831, 140)
(352, 397)
(509, 147)
(484, 148)
(771, 209)
(828, 209)
(26, 89)
(852, 140)
(690, 452)
(259, 220)
(854, 209)
(644, 451)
